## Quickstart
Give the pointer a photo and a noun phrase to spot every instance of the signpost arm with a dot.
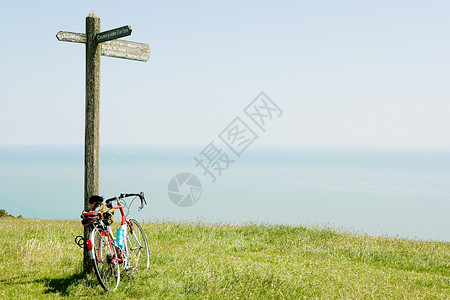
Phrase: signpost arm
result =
(92, 147)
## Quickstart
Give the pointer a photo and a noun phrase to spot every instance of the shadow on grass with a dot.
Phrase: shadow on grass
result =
(62, 285)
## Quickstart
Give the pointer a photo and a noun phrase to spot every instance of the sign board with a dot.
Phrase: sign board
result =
(113, 34)
(126, 49)
(74, 37)
(115, 48)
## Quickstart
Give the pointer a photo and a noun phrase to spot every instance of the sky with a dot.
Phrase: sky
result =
(346, 74)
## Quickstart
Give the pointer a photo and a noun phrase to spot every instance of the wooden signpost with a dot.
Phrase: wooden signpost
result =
(98, 43)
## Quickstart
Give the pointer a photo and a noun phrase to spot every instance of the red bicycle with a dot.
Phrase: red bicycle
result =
(129, 249)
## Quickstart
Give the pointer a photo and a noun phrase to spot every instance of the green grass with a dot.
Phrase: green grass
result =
(39, 259)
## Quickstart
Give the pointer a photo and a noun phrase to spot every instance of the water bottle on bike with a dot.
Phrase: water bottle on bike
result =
(120, 236)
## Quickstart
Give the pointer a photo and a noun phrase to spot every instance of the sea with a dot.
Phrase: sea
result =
(396, 193)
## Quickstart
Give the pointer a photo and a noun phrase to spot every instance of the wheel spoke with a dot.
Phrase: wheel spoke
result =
(137, 246)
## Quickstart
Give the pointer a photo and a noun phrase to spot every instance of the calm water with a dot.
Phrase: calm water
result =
(403, 194)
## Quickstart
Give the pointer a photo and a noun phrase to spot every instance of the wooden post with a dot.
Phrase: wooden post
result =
(97, 44)
(92, 143)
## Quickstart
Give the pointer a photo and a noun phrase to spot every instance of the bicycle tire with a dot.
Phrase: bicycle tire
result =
(104, 256)
(137, 246)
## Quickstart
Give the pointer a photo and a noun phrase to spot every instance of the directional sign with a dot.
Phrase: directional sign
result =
(126, 49)
(113, 34)
(74, 37)
(116, 48)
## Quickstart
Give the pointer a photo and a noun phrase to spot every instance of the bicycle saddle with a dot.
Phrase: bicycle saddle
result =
(96, 199)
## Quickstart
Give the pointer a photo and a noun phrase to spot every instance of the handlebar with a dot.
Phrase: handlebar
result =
(121, 196)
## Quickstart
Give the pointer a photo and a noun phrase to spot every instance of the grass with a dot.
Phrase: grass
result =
(39, 260)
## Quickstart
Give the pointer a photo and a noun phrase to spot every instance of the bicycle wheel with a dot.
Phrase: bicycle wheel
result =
(106, 266)
(139, 256)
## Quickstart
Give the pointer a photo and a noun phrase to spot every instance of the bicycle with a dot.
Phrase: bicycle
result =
(107, 252)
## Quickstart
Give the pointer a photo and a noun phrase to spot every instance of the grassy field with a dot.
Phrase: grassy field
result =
(39, 259)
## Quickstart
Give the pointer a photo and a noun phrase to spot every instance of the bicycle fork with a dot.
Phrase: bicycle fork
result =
(125, 252)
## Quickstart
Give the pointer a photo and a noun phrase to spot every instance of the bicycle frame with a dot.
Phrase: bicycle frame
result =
(112, 243)
(123, 252)
(122, 212)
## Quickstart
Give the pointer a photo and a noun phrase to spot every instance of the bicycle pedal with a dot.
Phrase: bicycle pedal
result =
(131, 270)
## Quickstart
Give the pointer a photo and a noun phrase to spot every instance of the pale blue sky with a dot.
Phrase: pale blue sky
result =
(369, 74)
